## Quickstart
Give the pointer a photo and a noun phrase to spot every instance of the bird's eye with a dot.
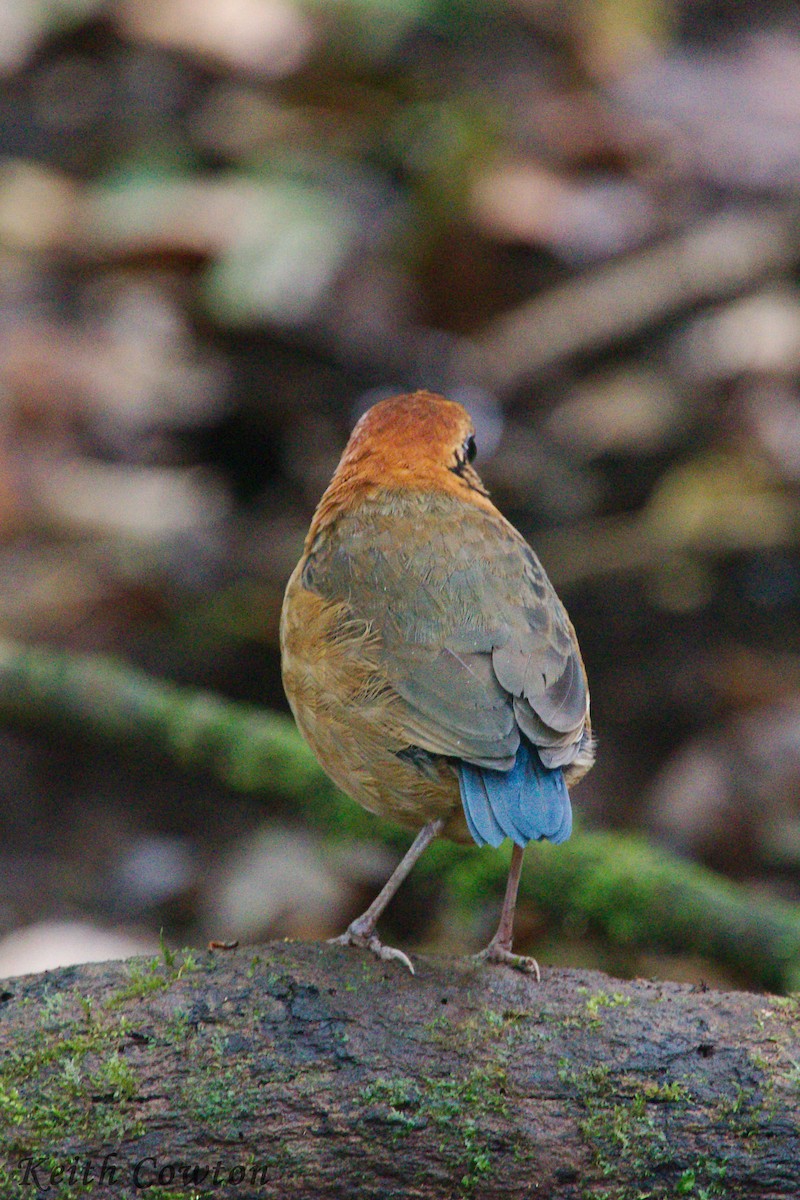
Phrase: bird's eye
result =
(462, 457)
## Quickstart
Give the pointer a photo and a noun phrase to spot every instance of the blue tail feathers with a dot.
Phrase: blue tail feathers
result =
(527, 803)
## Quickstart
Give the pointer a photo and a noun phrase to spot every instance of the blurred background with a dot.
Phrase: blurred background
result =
(226, 227)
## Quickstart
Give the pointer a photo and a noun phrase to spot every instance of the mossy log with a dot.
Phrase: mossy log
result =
(306, 1070)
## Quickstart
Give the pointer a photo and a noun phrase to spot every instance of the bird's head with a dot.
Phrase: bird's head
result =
(419, 442)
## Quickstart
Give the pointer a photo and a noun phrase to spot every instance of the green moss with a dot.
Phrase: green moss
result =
(255, 962)
(400, 1099)
(220, 1091)
(72, 1073)
(457, 1108)
(12, 1186)
(216, 1097)
(742, 1112)
(176, 1029)
(159, 1193)
(666, 1093)
(495, 1030)
(440, 1028)
(600, 1000)
(153, 975)
(705, 1180)
(79, 1082)
(13, 1109)
(624, 1127)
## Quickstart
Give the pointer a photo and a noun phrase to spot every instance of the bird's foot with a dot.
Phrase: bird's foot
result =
(495, 953)
(370, 941)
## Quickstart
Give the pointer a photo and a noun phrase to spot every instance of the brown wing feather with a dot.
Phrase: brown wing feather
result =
(473, 636)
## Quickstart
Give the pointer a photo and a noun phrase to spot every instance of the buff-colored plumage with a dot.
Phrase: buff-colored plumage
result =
(421, 637)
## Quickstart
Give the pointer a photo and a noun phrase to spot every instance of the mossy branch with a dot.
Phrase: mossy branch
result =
(248, 748)
(635, 895)
(305, 1070)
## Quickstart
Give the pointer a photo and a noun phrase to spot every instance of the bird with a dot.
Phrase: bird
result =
(426, 657)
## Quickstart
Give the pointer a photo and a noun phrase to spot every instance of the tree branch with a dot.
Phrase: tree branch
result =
(306, 1070)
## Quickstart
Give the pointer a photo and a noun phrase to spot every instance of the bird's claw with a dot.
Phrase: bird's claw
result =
(371, 942)
(520, 962)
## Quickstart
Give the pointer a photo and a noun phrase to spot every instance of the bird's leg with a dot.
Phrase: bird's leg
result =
(499, 948)
(361, 932)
